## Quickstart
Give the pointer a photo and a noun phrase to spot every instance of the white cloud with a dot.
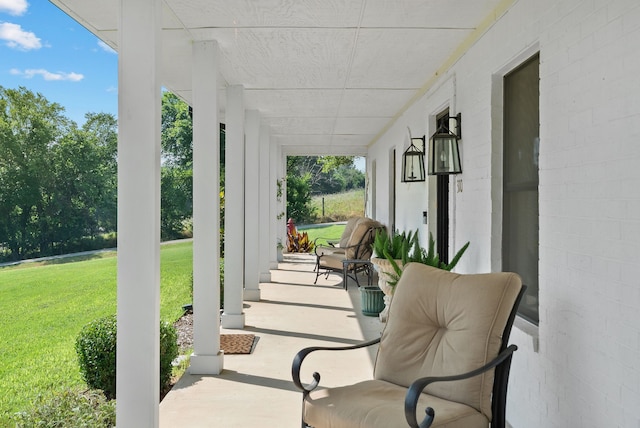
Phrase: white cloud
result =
(16, 37)
(48, 75)
(13, 7)
(105, 47)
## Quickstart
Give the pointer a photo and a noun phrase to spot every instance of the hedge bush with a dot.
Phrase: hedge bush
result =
(96, 349)
(168, 352)
(69, 409)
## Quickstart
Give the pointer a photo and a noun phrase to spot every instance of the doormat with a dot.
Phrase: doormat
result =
(237, 343)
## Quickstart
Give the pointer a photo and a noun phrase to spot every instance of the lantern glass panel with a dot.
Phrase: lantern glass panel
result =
(413, 165)
(444, 155)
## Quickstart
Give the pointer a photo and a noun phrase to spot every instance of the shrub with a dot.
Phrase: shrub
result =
(69, 408)
(168, 352)
(299, 243)
(96, 349)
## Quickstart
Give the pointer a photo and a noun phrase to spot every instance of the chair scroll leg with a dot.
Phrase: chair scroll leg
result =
(317, 269)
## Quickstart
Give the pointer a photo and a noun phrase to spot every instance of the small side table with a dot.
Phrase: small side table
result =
(345, 270)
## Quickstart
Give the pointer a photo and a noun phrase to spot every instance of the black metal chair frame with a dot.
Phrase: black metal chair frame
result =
(502, 365)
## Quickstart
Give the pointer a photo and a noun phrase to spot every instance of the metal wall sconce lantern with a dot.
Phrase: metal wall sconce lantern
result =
(413, 161)
(444, 155)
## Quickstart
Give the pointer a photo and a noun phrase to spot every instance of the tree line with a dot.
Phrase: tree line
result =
(58, 180)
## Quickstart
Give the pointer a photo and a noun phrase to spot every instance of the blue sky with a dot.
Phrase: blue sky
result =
(44, 50)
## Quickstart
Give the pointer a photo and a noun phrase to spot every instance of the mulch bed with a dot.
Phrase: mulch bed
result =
(184, 328)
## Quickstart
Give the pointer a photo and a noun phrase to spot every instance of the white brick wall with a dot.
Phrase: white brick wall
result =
(586, 372)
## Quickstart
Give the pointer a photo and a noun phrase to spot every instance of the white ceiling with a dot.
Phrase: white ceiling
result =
(326, 75)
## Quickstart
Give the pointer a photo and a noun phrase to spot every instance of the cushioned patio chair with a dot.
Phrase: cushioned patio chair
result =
(336, 246)
(356, 249)
(443, 351)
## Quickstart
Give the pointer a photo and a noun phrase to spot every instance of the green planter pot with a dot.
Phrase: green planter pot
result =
(372, 301)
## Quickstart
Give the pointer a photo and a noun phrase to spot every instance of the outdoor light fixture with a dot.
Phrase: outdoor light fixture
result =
(444, 156)
(413, 161)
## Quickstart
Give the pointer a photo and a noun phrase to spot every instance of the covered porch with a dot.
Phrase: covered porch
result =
(285, 78)
(256, 389)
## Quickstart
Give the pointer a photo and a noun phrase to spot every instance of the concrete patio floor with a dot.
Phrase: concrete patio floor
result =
(256, 390)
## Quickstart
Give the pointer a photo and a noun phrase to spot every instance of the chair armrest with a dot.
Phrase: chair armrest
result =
(317, 248)
(331, 242)
(357, 247)
(416, 388)
(300, 356)
(321, 250)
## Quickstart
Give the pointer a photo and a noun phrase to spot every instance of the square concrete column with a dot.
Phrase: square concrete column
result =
(207, 357)
(233, 316)
(265, 218)
(252, 211)
(138, 337)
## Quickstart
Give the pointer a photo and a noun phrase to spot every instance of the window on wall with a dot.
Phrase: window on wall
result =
(520, 180)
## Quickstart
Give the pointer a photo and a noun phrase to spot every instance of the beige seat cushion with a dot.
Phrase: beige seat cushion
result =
(323, 250)
(332, 261)
(380, 404)
(442, 323)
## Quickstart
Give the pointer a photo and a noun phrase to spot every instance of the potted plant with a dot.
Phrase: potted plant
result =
(372, 299)
(279, 248)
(385, 246)
(388, 248)
(397, 251)
(428, 257)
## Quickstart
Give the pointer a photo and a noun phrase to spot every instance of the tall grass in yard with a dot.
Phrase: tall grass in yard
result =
(44, 305)
(339, 206)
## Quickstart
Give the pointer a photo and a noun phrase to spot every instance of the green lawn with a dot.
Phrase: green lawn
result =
(44, 305)
(332, 232)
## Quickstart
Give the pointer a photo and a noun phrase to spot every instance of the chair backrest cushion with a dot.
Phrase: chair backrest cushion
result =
(348, 230)
(361, 239)
(442, 323)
